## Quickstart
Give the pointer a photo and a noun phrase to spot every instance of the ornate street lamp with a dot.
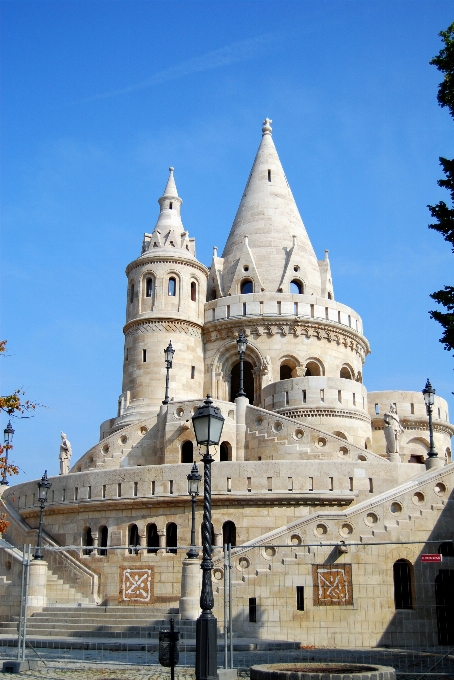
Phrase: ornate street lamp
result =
(43, 489)
(194, 479)
(429, 394)
(8, 434)
(168, 355)
(208, 423)
(241, 344)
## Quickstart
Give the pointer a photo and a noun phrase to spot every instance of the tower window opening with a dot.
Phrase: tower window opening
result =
(354, 399)
(152, 539)
(286, 398)
(322, 395)
(170, 205)
(350, 483)
(269, 175)
(127, 354)
(403, 597)
(192, 372)
(349, 320)
(312, 311)
(377, 409)
(295, 287)
(279, 308)
(244, 309)
(285, 372)
(228, 312)
(171, 538)
(339, 396)
(304, 396)
(133, 539)
(136, 489)
(295, 308)
(339, 317)
(102, 540)
(131, 293)
(246, 287)
(412, 409)
(253, 605)
(103, 491)
(330, 297)
(229, 533)
(119, 490)
(213, 294)
(300, 598)
(193, 291)
(172, 286)
(149, 288)
(326, 313)
(144, 356)
(187, 452)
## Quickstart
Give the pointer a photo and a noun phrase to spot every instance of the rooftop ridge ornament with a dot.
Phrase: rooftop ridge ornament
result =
(267, 129)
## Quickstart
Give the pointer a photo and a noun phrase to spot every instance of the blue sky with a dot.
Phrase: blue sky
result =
(99, 98)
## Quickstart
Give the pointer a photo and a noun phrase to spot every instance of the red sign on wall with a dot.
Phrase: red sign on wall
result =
(431, 558)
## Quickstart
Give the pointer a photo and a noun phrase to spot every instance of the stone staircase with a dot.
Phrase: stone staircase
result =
(101, 622)
(59, 592)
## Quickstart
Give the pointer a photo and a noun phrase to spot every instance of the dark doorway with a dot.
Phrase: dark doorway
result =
(225, 452)
(248, 380)
(444, 600)
(152, 538)
(403, 597)
(171, 537)
(229, 533)
(133, 539)
(187, 453)
(103, 533)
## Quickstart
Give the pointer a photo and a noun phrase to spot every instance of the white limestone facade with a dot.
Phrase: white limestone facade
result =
(302, 458)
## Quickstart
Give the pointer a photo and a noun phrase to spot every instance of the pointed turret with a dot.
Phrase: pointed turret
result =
(269, 217)
(169, 231)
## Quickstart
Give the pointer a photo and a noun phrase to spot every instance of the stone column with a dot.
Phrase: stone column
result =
(37, 584)
(162, 541)
(95, 537)
(241, 403)
(191, 583)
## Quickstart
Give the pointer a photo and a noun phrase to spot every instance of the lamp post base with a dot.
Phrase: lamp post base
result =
(206, 648)
(434, 462)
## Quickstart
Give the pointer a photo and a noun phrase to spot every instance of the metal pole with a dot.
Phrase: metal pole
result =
(21, 607)
(226, 566)
(206, 630)
(166, 398)
(230, 606)
(193, 552)
(38, 552)
(172, 650)
(241, 393)
(27, 581)
(431, 453)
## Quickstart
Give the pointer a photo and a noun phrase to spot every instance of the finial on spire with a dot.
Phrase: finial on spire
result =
(267, 129)
(171, 169)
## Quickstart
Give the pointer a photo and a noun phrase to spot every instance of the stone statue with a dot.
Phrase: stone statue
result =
(267, 371)
(393, 430)
(65, 454)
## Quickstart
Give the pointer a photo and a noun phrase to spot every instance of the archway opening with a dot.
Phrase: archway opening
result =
(346, 373)
(102, 541)
(171, 537)
(313, 368)
(403, 596)
(187, 452)
(285, 372)
(248, 381)
(133, 539)
(87, 541)
(225, 452)
(229, 533)
(152, 538)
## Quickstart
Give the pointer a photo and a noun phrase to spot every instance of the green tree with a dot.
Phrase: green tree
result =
(442, 213)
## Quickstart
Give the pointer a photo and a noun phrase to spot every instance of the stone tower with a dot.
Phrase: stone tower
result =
(166, 294)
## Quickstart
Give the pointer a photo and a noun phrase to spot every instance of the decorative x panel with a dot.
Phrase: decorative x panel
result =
(332, 584)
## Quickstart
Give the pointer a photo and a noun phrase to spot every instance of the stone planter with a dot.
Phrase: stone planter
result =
(321, 671)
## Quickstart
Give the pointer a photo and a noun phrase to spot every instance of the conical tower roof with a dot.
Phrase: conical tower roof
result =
(269, 217)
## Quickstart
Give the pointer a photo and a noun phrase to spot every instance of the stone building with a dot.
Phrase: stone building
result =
(303, 467)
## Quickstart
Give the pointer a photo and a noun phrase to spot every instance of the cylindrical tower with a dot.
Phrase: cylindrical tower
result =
(165, 302)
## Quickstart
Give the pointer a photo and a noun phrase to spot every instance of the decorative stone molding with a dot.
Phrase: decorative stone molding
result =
(438, 425)
(298, 413)
(158, 326)
(190, 262)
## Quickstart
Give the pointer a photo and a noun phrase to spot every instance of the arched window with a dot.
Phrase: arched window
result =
(133, 539)
(446, 549)
(403, 597)
(103, 533)
(248, 381)
(247, 286)
(296, 287)
(225, 452)
(87, 541)
(149, 288)
(213, 294)
(193, 291)
(313, 368)
(229, 533)
(171, 537)
(345, 373)
(152, 538)
(285, 372)
(187, 452)
(172, 286)
(131, 293)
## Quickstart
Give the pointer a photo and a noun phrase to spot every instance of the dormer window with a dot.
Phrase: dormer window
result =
(247, 287)
(172, 286)
(296, 287)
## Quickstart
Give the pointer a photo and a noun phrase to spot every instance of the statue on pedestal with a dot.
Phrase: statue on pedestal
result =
(65, 454)
(393, 431)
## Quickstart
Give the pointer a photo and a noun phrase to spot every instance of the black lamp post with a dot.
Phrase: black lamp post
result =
(8, 434)
(168, 354)
(208, 423)
(194, 479)
(43, 489)
(241, 344)
(429, 394)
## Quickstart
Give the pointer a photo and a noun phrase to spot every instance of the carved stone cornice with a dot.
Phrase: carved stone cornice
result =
(150, 325)
(304, 412)
(330, 331)
(160, 259)
(417, 424)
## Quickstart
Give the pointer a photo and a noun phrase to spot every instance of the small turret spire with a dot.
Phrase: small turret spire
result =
(171, 188)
